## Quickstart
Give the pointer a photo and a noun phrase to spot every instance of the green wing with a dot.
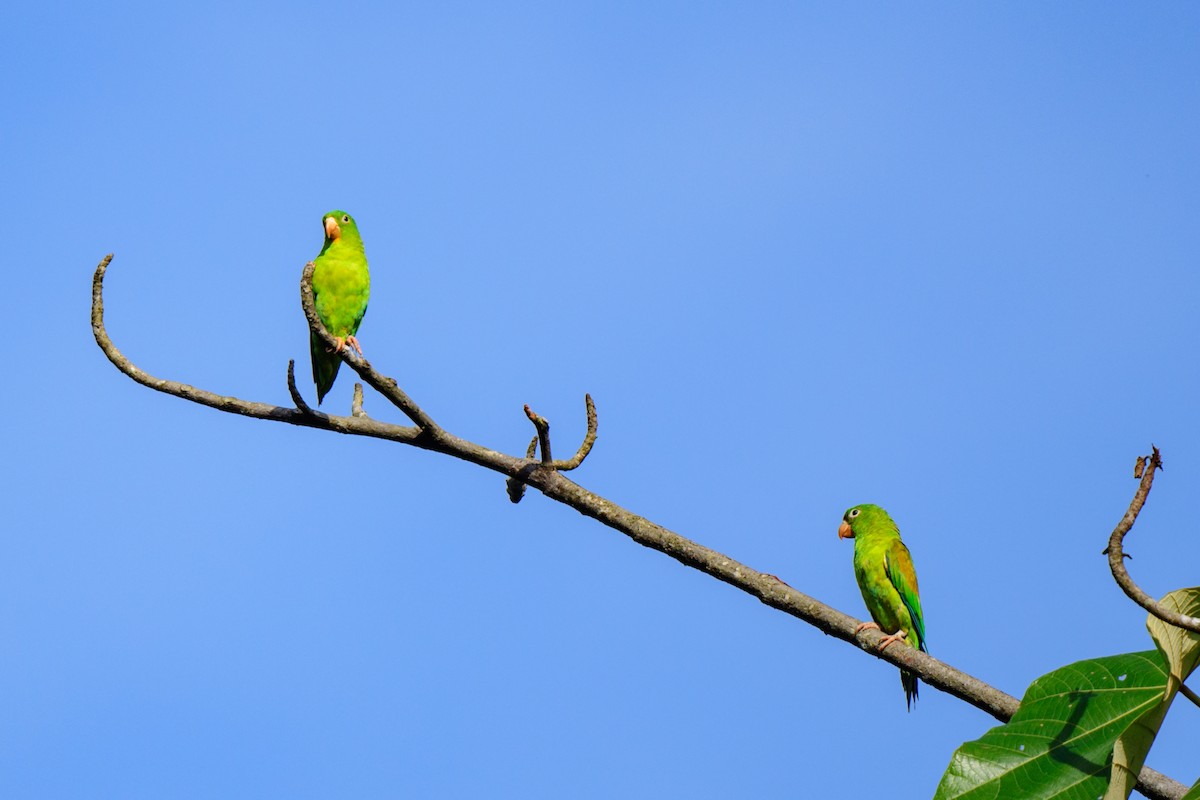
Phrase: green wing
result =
(897, 563)
(898, 566)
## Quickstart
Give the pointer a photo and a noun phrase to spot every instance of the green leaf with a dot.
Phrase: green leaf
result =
(1182, 650)
(1060, 742)
(1193, 793)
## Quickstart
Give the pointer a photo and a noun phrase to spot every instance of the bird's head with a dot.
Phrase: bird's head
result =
(338, 225)
(858, 517)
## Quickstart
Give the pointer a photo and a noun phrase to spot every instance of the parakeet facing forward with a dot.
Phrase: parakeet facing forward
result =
(341, 287)
(888, 583)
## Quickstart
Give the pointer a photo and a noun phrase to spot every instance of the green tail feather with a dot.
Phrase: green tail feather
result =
(909, 681)
(325, 366)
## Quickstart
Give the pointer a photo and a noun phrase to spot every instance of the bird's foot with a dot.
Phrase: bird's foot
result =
(866, 626)
(339, 344)
(350, 340)
(898, 636)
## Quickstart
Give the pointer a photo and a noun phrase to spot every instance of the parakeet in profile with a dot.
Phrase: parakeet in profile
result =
(341, 287)
(888, 582)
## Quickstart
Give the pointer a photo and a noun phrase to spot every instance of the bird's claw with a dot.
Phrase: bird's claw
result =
(353, 342)
(886, 640)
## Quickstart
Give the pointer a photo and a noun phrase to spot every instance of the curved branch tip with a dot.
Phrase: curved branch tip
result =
(297, 398)
(589, 438)
(1147, 465)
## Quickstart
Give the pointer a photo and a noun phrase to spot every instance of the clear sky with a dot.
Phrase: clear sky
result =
(938, 257)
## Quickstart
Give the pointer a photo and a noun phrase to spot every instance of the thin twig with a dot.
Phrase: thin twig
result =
(1116, 555)
(588, 440)
(356, 409)
(543, 431)
(1187, 692)
(557, 486)
(297, 398)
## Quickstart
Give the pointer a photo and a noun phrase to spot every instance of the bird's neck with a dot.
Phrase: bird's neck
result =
(343, 245)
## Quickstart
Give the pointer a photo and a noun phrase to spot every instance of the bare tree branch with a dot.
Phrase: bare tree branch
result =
(1116, 555)
(1186, 691)
(547, 478)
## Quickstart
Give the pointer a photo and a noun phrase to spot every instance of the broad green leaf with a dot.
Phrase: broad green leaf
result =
(1182, 650)
(1193, 793)
(1059, 743)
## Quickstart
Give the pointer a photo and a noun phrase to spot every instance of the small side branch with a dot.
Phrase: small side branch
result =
(356, 409)
(297, 398)
(543, 434)
(588, 440)
(1116, 554)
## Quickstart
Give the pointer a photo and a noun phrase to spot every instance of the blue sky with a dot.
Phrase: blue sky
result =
(940, 258)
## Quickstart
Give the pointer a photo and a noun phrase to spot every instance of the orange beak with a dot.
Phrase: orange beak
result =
(845, 531)
(332, 231)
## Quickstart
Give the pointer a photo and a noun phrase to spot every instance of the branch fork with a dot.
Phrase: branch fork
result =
(541, 441)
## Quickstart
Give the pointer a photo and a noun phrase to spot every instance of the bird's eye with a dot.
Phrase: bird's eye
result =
(854, 513)
(345, 217)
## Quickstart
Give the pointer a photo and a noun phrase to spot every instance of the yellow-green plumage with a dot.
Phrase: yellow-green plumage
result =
(887, 580)
(341, 287)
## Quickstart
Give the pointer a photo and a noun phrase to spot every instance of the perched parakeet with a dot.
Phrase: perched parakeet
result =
(341, 286)
(888, 582)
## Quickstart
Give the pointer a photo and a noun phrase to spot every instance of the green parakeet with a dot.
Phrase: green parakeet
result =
(888, 582)
(341, 287)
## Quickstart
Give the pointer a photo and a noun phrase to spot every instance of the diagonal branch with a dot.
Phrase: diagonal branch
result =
(556, 486)
(1116, 555)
